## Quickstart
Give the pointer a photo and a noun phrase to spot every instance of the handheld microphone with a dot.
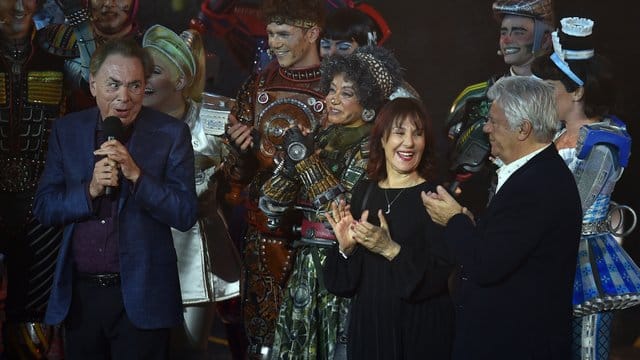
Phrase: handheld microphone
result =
(112, 127)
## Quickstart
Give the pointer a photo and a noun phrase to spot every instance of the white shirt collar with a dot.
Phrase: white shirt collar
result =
(505, 171)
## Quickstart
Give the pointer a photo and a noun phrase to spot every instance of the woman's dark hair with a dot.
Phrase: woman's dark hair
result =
(599, 87)
(392, 115)
(350, 24)
(366, 79)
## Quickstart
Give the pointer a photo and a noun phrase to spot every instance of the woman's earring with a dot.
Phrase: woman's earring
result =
(368, 115)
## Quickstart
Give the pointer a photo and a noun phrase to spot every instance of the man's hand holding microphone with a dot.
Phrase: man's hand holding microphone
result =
(116, 159)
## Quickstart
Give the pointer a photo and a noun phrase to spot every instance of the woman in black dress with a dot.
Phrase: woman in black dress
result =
(391, 259)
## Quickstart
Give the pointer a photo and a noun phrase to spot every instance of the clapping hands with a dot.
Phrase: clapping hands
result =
(350, 232)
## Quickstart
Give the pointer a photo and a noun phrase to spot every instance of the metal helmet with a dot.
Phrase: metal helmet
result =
(541, 11)
(537, 9)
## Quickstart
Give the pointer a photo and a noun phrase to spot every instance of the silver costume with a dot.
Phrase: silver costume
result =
(194, 248)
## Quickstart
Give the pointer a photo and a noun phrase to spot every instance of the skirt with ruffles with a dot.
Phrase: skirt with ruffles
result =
(606, 276)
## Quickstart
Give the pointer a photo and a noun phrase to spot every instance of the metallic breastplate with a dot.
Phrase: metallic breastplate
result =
(29, 102)
(282, 102)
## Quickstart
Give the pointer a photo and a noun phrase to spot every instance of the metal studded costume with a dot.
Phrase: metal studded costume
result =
(271, 102)
(312, 322)
(31, 98)
(311, 319)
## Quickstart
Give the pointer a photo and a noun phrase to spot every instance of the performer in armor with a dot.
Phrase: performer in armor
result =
(314, 174)
(525, 33)
(286, 93)
(176, 88)
(90, 24)
(596, 147)
(31, 97)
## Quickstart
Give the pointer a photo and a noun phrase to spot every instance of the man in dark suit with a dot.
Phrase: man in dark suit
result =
(516, 265)
(116, 281)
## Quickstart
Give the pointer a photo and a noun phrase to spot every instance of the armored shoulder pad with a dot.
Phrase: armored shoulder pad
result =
(475, 91)
(607, 134)
(59, 39)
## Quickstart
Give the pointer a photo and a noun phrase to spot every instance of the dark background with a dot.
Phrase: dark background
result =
(445, 46)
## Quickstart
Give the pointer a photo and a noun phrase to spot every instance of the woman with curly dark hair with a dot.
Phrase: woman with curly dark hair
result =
(393, 264)
(314, 173)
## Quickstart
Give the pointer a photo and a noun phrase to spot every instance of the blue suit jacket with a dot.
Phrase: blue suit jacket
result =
(164, 197)
(513, 291)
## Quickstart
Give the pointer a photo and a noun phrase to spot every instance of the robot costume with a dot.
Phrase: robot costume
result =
(271, 102)
(312, 322)
(77, 40)
(468, 114)
(31, 98)
(606, 277)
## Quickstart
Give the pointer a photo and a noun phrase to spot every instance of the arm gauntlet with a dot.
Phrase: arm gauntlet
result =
(319, 183)
(278, 193)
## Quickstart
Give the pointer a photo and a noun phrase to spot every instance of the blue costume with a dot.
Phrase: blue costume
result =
(606, 277)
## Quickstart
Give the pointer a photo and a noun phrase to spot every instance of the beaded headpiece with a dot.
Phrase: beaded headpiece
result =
(572, 42)
(374, 71)
(379, 70)
(173, 47)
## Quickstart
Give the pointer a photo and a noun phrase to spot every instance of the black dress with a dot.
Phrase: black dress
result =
(401, 308)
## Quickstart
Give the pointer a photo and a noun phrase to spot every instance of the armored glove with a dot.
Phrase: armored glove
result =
(297, 147)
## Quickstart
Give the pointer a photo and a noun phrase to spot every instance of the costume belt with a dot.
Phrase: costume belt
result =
(598, 227)
(256, 218)
(317, 230)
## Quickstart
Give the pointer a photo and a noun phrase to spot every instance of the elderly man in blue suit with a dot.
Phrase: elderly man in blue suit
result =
(116, 281)
(513, 290)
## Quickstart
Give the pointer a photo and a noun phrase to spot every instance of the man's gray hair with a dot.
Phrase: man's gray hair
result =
(525, 98)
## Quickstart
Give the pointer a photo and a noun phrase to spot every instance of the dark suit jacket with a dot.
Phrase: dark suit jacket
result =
(514, 285)
(164, 197)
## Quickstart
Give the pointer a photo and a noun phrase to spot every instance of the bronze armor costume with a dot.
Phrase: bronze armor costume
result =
(271, 102)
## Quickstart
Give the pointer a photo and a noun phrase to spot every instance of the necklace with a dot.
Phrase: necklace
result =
(388, 211)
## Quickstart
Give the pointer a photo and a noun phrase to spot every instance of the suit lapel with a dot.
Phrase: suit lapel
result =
(141, 137)
(541, 156)
(86, 144)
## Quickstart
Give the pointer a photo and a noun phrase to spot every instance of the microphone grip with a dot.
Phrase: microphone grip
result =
(453, 186)
(108, 190)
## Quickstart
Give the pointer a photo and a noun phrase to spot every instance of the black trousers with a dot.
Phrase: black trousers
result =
(98, 328)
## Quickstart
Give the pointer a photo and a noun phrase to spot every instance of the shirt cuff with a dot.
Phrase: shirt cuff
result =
(344, 255)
